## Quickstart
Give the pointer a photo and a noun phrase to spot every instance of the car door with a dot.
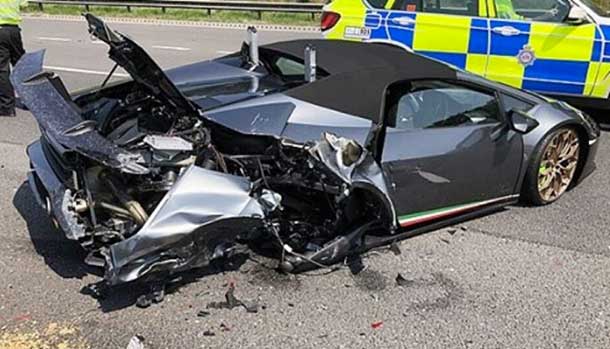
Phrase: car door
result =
(439, 29)
(447, 148)
(532, 47)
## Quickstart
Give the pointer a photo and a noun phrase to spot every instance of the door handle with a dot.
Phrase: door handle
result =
(506, 30)
(404, 21)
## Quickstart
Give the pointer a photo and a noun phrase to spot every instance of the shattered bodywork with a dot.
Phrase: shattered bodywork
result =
(151, 185)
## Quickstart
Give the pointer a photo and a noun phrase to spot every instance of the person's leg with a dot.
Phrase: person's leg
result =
(16, 45)
(7, 94)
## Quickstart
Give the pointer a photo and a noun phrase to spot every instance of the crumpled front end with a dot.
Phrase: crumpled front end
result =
(207, 212)
(198, 219)
(151, 186)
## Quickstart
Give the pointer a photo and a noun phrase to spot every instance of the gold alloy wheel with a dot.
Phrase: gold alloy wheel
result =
(558, 165)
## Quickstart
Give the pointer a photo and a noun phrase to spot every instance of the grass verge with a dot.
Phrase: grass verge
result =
(301, 19)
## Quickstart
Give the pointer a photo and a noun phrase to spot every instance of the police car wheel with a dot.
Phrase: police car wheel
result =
(553, 167)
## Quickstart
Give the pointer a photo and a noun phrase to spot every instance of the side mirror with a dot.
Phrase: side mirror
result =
(576, 16)
(521, 122)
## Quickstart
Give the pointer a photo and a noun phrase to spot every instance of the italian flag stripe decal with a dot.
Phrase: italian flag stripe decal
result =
(421, 217)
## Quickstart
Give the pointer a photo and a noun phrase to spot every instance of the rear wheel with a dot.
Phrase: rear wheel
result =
(553, 167)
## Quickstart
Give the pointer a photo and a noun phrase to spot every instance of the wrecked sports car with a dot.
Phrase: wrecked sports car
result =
(309, 151)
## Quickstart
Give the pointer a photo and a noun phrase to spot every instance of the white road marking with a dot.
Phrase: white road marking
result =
(223, 52)
(98, 42)
(175, 48)
(84, 71)
(50, 38)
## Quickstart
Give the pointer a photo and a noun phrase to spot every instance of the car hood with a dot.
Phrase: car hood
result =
(127, 54)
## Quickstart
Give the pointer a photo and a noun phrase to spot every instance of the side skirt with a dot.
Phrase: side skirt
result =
(412, 220)
(375, 241)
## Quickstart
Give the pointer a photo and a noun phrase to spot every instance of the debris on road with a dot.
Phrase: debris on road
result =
(203, 313)
(395, 248)
(402, 281)
(208, 333)
(355, 264)
(377, 325)
(156, 295)
(136, 342)
(231, 302)
(251, 307)
(143, 301)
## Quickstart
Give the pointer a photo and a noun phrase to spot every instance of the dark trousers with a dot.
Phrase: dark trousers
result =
(11, 49)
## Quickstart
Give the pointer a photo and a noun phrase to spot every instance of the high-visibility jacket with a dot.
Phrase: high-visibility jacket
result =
(10, 11)
(505, 10)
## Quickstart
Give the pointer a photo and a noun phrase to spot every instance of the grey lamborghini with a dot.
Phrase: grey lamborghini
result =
(309, 151)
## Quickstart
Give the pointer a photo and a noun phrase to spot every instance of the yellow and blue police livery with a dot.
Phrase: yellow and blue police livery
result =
(554, 47)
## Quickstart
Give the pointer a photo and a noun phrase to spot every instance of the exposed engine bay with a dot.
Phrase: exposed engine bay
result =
(150, 186)
(295, 201)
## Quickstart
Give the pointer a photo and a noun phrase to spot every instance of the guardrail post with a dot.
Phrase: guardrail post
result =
(87, 8)
(209, 12)
(260, 15)
(313, 16)
(40, 6)
(163, 9)
(128, 8)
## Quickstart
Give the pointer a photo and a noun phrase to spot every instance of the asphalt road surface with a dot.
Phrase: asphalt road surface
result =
(521, 278)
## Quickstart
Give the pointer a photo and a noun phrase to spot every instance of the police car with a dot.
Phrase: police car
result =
(555, 47)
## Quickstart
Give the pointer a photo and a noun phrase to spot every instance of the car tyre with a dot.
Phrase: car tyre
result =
(553, 167)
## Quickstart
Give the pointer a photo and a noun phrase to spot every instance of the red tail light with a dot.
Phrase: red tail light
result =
(329, 19)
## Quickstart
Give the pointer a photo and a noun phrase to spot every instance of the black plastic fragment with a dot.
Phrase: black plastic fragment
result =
(97, 290)
(395, 248)
(402, 281)
(355, 264)
(144, 301)
(156, 295)
(203, 313)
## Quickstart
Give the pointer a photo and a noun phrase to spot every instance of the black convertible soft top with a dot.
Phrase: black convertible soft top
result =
(359, 73)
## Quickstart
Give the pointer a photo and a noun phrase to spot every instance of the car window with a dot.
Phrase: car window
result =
(452, 7)
(601, 8)
(288, 67)
(512, 103)
(434, 104)
(377, 3)
(535, 10)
